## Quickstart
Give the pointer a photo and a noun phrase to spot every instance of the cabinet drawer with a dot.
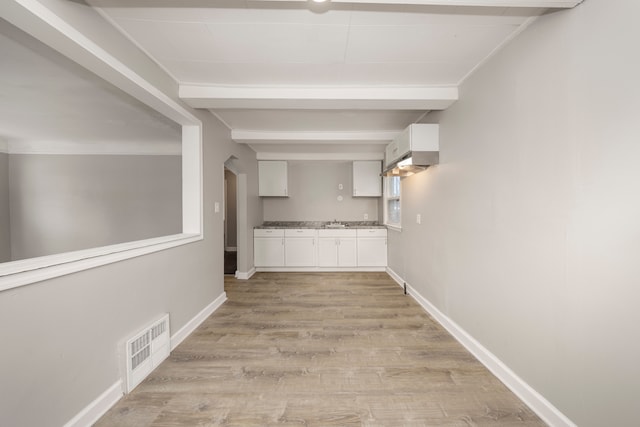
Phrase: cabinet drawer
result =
(372, 232)
(300, 232)
(337, 233)
(268, 232)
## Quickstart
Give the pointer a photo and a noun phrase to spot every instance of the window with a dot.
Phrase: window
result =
(392, 205)
(184, 128)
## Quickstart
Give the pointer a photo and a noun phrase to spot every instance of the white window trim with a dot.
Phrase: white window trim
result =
(33, 17)
(386, 198)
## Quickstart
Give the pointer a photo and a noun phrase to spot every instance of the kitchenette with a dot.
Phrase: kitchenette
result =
(321, 215)
(329, 214)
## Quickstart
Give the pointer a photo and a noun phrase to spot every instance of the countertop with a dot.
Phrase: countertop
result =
(319, 224)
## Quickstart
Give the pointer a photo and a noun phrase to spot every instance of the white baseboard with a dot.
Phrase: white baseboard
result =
(192, 324)
(319, 269)
(541, 406)
(395, 276)
(240, 275)
(94, 410)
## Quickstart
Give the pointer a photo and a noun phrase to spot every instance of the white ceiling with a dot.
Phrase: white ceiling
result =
(343, 77)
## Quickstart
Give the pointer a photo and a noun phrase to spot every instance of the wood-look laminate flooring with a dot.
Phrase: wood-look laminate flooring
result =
(320, 349)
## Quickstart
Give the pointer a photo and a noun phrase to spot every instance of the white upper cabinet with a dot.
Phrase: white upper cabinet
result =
(272, 178)
(367, 181)
(416, 137)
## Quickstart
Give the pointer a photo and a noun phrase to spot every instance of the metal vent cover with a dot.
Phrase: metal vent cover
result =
(146, 350)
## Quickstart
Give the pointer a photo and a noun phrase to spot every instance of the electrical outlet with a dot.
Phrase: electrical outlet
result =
(216, 207)
(366, 217)
(340, 186)
(418, 219)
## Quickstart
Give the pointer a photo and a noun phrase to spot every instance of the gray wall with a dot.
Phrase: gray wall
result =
(231, 206)
(5, 230)
(530, 234)
(62, 203)
(60, 338)
(313, 193)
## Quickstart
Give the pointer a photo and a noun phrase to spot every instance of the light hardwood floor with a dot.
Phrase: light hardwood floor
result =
(331, 349)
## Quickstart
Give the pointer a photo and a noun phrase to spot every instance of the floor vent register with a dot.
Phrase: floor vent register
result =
(146, 350)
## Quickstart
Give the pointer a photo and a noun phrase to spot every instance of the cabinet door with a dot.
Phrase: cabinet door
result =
(268, 251)
(272, 178)
(328, 252)
(347, 252)
(391, 153)
(404, 142)
(300, 252)
(367, 181)
(372, 252)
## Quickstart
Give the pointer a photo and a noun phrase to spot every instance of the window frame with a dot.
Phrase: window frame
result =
(389, 197)
(80, 49)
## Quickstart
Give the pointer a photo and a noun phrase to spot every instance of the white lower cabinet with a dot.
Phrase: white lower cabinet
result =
(362, 248)
(268, 247)
(337, 248)
(300, 247)
(372, 247)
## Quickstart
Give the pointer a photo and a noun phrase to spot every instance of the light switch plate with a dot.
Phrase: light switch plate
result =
(216, 207)
(418, 219)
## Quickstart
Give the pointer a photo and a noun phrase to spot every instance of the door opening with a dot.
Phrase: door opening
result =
(230, 217)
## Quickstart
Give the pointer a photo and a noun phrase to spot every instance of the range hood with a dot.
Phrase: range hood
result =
(411, 163)
(413, 150)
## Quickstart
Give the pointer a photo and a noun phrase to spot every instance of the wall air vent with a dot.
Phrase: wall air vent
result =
(146, 350)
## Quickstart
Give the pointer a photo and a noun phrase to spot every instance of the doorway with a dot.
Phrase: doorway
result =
(230, 222)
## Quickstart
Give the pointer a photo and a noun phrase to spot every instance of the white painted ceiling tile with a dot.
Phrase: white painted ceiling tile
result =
(297, 74)
(269, 43)
(236, 13)
(301, 15)
(169, 40)
(440, 15)
(405, 74)
(424, 44)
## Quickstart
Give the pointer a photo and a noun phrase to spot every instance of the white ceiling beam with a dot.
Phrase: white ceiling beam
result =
(284, 137)
(319, 98)
(560, 4)
(319, 156)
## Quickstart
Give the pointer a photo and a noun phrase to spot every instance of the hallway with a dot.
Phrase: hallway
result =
(344, 349)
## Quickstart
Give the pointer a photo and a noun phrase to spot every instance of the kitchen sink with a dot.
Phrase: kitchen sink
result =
(334, 225)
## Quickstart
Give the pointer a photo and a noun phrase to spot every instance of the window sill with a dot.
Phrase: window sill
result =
(24, 272)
